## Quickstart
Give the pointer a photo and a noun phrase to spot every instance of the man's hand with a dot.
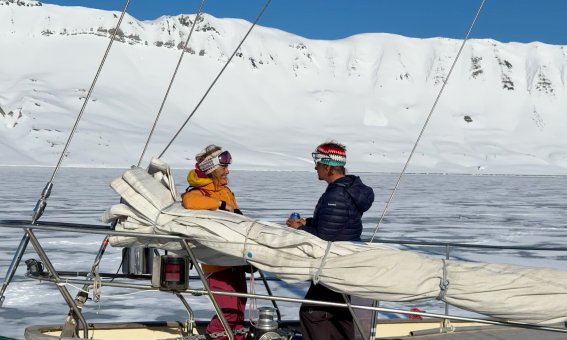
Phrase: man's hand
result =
(295, 223)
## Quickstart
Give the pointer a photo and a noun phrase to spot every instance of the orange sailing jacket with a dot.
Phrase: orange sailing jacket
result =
(205, 196)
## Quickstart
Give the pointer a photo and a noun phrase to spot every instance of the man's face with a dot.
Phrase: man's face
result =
(321, 171)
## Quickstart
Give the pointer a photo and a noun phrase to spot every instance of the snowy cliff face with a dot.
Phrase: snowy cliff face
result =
(503, 110)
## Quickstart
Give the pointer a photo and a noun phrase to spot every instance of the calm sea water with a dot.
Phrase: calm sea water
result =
(496, 210)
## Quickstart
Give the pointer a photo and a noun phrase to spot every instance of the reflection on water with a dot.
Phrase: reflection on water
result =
(496, 210)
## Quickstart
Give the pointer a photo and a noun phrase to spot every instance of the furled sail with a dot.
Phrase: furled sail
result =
(367, 270)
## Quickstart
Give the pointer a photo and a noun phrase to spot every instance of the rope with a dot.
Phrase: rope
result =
(66, 282)
(215, 335)
(323, 260)
(247, 254)
(197, 17)
(252, 302)
(42, 202)
(252, 305)
(428, 118)
(216, 78)
(444, 284)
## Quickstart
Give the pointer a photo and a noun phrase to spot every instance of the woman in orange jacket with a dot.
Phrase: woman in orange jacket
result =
(209, 191)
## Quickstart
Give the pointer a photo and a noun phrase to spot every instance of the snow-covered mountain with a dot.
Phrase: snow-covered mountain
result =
(504, 109)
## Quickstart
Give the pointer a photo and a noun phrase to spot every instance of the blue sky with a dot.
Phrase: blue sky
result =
(503, 20)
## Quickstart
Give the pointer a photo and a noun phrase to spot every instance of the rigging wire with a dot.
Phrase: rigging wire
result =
(42, 202)
(375, 302)
(216, 78)
(428, 118)
(197, 17)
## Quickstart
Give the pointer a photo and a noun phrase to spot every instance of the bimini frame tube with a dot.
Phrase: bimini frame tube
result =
(208, 289)
(14, 265)
(104, 230)
(42, 202)
(354, 317)
(62, 289)
(333, 304)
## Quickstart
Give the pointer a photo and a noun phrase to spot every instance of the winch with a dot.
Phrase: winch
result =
(266, 328)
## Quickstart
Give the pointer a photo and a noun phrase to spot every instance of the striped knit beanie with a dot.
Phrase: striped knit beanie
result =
(207, 164)
(333, 154)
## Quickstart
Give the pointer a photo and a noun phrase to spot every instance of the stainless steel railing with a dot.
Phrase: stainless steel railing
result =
(107, 230)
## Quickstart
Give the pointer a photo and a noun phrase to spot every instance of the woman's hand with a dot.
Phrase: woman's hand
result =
(226, 207)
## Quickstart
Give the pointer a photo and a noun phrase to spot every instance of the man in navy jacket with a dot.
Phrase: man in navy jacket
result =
(337, 217)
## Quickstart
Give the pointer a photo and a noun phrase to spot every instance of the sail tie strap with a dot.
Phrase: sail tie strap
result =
(246, 255)
(323, 260)
(444, 284)
(155, 222)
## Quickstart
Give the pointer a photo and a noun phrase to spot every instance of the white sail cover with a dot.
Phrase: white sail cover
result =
(369, 270)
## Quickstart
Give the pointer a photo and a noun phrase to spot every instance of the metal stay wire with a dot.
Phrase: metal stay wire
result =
(376, 303)
(216, 78)
(428, 118)
(197, 17)
(42, 202)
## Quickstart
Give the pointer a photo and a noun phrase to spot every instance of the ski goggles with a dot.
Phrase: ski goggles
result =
(320, 157)
(224, 158)
(331, 159)
(210, 164)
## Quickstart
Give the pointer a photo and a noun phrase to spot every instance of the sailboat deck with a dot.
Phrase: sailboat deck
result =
(493, 333)
(462, 330)
(391, 329)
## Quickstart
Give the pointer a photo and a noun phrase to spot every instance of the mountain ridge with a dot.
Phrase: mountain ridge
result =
(501, 111)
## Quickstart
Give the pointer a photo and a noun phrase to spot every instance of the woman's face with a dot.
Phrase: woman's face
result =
(222, 174)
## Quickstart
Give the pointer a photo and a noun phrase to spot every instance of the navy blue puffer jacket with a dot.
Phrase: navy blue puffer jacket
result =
(338, 214)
